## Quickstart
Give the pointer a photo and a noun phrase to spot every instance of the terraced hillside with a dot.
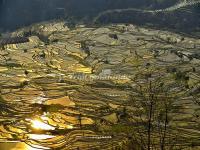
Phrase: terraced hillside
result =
(112, 87)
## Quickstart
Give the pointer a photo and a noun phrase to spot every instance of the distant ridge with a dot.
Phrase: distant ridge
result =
(177, 6)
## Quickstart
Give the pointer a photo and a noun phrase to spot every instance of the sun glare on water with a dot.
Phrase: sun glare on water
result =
(40, 136)
(37, 124)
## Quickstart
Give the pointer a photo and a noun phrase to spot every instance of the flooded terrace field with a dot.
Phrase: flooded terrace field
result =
(91, 88)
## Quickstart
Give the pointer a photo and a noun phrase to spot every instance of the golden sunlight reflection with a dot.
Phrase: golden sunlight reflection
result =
(37, 124)
(20, 146)
(27, 147)
(70, 127)
(40, 136)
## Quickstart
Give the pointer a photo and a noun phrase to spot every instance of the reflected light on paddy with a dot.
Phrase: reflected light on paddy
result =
(37, 124)
(27, 147)
(19, 146)
(70, 127)
(40, 136)
(39, 100)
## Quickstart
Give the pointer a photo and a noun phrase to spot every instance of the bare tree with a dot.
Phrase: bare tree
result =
(153, 96)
